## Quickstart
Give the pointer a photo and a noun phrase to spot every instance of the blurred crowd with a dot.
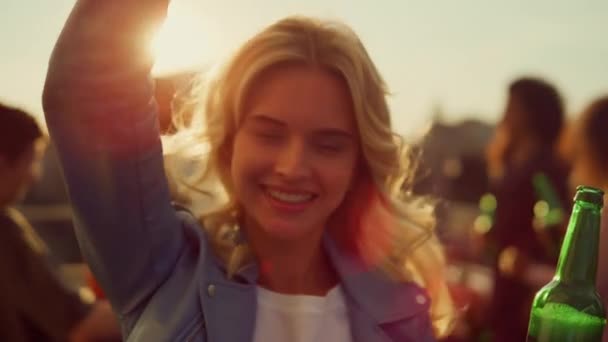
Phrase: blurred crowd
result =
(520, 186)
(501, 212)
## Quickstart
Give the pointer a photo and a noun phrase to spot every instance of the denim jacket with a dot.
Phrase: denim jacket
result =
(154, 262)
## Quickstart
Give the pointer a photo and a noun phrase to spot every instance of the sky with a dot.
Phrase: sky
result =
(454, 57)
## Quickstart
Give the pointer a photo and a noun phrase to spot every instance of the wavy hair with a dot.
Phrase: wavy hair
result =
(379, 220)
(593, 131)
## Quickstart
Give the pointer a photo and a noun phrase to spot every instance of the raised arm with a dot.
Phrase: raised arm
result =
(100, 111)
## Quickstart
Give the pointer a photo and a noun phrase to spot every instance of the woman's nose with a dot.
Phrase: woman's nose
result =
(292, 160)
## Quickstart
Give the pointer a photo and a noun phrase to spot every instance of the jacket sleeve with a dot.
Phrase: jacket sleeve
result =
(100, 112)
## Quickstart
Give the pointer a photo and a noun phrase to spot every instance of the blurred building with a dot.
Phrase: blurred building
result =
(452, 163)
(452, 171)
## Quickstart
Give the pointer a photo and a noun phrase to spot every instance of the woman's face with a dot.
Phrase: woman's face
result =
(295, 153)
(514, 118)
(17, 177)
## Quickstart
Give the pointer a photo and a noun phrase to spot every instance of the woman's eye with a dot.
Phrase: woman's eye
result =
(329, 147)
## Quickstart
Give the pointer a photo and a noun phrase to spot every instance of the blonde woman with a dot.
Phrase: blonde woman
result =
(315, 239)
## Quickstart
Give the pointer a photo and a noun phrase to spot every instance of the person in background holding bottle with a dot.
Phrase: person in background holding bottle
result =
(587, 149)
(522, 151)
(590, 166)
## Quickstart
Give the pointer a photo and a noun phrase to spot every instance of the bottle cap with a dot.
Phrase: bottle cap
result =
(589, 194)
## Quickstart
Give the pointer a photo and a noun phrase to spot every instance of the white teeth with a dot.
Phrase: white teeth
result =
(289, 197)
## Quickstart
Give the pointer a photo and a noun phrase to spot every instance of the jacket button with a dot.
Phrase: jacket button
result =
(420, 299)
(211, 290)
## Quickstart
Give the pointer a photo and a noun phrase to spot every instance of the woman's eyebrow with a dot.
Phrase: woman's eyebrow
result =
(328, 132)
(333, 133)
(265, 120)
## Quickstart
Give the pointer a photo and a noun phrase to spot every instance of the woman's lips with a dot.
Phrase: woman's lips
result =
(289, 200)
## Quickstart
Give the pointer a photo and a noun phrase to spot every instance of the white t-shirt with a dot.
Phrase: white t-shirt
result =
(301, 318)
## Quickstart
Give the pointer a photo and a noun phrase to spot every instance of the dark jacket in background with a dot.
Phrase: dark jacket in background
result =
(35, 305)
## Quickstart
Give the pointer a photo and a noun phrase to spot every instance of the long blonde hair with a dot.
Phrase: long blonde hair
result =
(387, 226)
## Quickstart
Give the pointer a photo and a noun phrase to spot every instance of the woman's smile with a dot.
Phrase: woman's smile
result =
(288, 200)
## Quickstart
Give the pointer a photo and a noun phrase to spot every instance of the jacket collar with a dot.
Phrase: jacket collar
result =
(372, 298)
(382, 298)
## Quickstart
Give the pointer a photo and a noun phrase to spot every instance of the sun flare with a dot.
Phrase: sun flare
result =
(179, 44)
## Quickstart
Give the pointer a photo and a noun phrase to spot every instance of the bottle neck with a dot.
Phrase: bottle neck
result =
(578, 257)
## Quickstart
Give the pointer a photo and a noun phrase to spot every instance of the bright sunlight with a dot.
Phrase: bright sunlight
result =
(179, 44)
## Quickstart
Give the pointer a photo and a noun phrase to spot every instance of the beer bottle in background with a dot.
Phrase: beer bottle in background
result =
(569, 309)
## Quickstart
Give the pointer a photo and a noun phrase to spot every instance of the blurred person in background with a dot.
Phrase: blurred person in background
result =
(35, 303)
(590, 167)
(529, 182)
(590, 146)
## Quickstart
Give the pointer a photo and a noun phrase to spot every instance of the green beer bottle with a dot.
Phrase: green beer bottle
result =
(569, 309)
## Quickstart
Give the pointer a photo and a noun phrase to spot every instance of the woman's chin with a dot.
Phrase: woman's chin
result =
(286, 231)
